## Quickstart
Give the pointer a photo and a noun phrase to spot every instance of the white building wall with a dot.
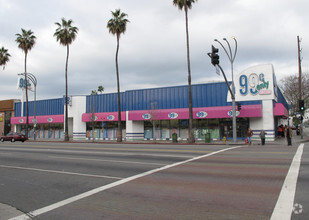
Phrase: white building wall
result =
(75, 112)
(266, 122)
(134, 129)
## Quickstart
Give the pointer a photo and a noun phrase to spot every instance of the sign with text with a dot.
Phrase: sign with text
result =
(21, 84)
(256, 83)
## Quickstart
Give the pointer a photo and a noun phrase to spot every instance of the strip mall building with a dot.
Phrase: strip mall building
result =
(160, 112)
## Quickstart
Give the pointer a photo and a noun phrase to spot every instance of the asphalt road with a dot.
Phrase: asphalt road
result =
(144, 181)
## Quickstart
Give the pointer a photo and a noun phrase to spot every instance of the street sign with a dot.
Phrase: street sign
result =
(217, 70)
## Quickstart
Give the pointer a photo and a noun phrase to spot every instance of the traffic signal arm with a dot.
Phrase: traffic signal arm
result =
(214, 55)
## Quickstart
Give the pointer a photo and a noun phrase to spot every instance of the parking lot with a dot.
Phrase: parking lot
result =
(142, 181)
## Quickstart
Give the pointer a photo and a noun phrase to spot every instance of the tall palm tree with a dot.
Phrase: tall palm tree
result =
(187, 4)
(26, 41)
(117, 25)
(4, 57)
(66, 34)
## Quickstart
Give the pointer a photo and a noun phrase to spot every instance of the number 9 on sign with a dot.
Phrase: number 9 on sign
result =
(249, 84)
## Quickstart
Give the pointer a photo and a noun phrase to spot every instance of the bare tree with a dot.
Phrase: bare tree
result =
(289, 87)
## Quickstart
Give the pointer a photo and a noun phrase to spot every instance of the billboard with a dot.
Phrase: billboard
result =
(21, 84)
(256, 83)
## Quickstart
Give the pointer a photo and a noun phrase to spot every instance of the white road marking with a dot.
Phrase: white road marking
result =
(98, 152)
(111, 161)
(59, 172)
(284, 206)
(111, 185)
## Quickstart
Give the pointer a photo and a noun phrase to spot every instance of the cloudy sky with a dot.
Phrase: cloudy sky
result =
(153, 49)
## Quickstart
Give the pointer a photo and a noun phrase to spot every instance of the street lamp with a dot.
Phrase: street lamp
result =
(231, 57)
(34, 82)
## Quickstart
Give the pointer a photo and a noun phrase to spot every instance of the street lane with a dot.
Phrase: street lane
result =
(34, 175)
(241, 183)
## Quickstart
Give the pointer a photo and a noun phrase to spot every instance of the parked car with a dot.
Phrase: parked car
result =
(13, 136)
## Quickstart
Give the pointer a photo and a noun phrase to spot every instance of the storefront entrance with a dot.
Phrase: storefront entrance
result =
(226, 128)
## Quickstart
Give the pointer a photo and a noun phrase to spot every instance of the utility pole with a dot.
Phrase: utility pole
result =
(299, 83)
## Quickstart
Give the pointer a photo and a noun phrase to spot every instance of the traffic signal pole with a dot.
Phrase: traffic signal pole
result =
(215, 61)
(227, 83)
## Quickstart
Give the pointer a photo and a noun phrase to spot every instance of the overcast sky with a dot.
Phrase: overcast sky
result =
(153, 49)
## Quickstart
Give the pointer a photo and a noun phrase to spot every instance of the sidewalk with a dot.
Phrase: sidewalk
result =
(278, 141)
(7, 212)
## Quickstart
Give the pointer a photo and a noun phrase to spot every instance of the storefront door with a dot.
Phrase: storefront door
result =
(226, 128)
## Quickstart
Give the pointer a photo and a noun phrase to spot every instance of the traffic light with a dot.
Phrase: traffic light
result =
(238, 106)
(214, 55)
(301, 105)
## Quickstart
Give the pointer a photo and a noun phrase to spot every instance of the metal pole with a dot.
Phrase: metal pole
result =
(299, 84)
(231, 57)
(227, 83)
(34, 81)
(35, 113)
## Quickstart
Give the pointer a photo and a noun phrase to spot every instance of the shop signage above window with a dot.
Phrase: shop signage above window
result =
(230, 113)
(146, 116)
(201, 114)
(110, 117)
(93, 118)
(173, 115)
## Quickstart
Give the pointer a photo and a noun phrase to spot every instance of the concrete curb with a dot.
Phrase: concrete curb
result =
(8, 212)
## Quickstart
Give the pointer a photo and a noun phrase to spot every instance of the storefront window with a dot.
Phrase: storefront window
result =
(196, 129)
(104, 130)
(148, 130)
(165, 132)
(174, 127)
(43, 131)
(209, 126)
(183, 129)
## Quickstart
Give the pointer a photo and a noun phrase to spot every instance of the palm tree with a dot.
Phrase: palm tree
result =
(26, 41)
(66, 34)
(4, 57)
(187, 4)
(117, 25)
(100, 89)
